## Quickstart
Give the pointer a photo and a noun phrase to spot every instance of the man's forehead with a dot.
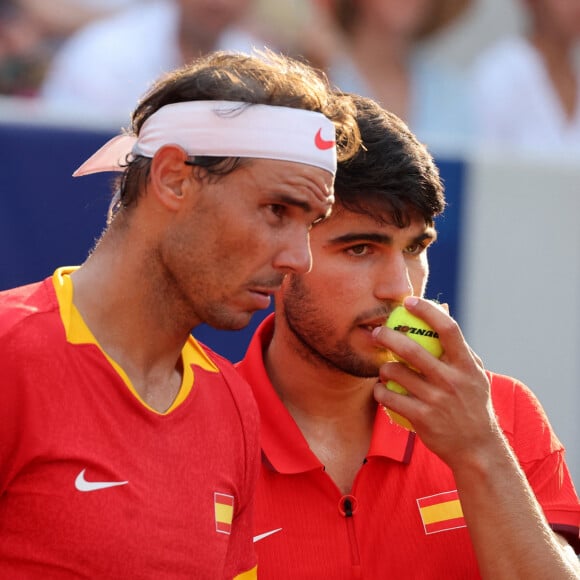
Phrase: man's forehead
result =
(378, 220)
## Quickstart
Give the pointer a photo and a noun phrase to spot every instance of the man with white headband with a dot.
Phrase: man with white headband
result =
(128, 449)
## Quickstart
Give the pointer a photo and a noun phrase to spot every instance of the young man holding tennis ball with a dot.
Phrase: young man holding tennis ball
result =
(344, 492)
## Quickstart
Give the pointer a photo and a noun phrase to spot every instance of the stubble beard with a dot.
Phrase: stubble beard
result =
(312, 336)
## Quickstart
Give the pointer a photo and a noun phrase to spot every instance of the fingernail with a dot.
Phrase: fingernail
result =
(411, 301)
(376, 331)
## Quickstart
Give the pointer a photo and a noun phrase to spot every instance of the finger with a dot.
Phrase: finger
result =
(405, 407)
(452, 339)
(406, 350)
(477, 358)
(433, 313)
(399, 373)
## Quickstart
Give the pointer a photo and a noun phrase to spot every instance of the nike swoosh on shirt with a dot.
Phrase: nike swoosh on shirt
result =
(266, 534)
(83, 485)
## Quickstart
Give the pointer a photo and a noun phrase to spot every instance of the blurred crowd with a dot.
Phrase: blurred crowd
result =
(97, 57)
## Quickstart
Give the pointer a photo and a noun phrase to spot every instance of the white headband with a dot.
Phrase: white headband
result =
(225, 129)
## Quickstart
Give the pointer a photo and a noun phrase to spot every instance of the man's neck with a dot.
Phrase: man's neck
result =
(128, 322)
(335, 411)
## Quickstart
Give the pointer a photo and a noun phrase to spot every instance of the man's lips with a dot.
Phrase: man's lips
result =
(263, 296)
(370, 325)
(267, 291)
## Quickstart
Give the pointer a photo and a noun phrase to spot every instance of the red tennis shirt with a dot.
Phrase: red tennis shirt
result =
(403, 518)
(96, 484)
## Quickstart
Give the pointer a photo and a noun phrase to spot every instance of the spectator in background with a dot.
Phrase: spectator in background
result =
(61, 18)
(31, 31)
(377, 52)
(527, 87)
(24, 51)
(104, 68)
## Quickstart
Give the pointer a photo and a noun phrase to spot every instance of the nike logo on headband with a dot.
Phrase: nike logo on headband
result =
(322, 143)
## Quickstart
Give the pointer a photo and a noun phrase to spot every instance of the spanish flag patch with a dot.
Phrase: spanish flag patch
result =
(224, 512)
(441, 512)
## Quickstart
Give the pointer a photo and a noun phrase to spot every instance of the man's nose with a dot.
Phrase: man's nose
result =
(393, 281)
(295, 256)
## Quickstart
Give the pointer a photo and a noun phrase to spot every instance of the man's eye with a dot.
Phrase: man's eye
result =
(415, 249)
(277, 209)
(359, 250)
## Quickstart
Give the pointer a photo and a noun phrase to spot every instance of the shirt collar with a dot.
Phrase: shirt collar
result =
(390, 440)
(283, 444)
(77, 332)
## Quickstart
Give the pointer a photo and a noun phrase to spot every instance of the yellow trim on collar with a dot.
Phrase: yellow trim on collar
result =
(77, 332)
(248, 575)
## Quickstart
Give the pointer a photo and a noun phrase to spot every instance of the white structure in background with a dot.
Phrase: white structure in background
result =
(520, 280)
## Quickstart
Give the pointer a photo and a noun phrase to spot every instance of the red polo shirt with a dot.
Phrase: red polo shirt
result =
(96, 484)
(403, 518)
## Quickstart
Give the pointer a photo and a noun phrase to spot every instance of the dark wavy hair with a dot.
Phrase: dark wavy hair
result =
(392, 174)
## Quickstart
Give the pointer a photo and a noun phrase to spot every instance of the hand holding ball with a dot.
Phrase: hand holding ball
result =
(418, 330)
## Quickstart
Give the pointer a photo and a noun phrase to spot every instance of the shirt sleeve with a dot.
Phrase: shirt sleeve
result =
(540, 453)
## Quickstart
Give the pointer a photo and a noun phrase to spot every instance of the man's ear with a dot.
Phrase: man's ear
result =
(169, 175)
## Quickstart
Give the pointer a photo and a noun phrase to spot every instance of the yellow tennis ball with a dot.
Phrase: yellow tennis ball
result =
(418, 330)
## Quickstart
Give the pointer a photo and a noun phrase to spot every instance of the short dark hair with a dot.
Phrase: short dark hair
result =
(392, 173)
(264, 77)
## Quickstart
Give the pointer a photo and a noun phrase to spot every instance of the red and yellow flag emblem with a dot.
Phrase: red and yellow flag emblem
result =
(441, 512)
(224, 512)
